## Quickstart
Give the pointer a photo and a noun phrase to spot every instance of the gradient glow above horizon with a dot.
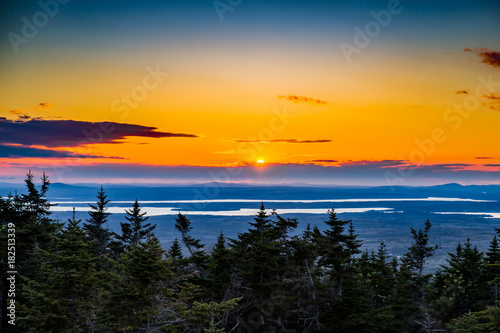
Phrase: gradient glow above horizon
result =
(166, 91)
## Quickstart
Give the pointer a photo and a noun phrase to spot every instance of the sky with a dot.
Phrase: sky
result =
(266, 92)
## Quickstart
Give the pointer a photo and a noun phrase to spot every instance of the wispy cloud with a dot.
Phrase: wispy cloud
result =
(322, 161)
(487, 56)
(493, 101)
(70, 133)
(302, 99)
(353, 172)
(43, 106)
(381, 164)
(462, 92)
(285, 141)
(22, 114)
(10, 151)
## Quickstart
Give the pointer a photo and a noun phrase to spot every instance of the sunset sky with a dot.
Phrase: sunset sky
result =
(322, 92)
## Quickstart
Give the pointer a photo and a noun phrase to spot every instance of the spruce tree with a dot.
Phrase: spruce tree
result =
(336, 255)
(183, 224)
(142, 300)
(493, 252)
(220, 264)
(492, 261)
(175, 250)
(175, 253)
(420, 251)
(96, 227)
(66, 295)
(135, 229)
(462, 285)
(34, 229)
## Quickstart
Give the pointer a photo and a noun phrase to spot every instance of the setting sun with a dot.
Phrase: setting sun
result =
(260, 162)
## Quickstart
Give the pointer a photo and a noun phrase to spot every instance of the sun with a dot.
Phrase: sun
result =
(260, 162)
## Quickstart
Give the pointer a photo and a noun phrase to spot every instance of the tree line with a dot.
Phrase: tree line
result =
(82, 277)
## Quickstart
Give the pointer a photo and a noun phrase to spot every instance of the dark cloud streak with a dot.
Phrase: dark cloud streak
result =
(487, 56)
(285, 141)
(22, 152)
(71, 133)
(302, 99)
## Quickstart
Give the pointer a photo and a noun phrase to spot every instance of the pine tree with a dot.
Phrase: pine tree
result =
(471, 322)
(412, 276)
(261, 220)
(336, 249)
(461, 286)
(183, 224)
(96, 227)
(492, 270)
(220, 267)
(352, 243)
(34, 230)
(493, 253)
(175, 253)
(135, 229)
(66, 294)
(175, 250)
(259, 260)
(142, 300)
(420, 251)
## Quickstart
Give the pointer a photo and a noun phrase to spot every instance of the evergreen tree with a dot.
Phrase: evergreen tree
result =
(352, 243)
(220, 266)
(492, 270)
(67, 294)
(135, 229)
(260, 259)
(420, 251)
(462, 285)
(412, 275)
(336, 249)
(142, 299)
(493, 253)
(96, 227)
(261, 222)
(175, 250)
(175, 253)
(183, 224)
(470, 322)
(34, 230)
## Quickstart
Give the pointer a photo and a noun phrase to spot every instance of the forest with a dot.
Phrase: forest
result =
(79, 276)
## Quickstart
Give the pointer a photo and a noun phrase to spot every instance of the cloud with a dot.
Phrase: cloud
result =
(302, 99)
(22, 114)
(485, 158)
(43, 106)
(492, 96)
(225, 152)
(488, 56)
(364, 173)
(70, 133)
(8, 151)
(285, 141)
(322, 161)
(493, 101)
(462, 92)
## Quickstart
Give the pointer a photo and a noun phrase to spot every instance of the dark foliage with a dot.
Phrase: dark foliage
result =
(74, 278)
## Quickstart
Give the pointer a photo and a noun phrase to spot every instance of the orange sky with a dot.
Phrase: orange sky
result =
(396, 98)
